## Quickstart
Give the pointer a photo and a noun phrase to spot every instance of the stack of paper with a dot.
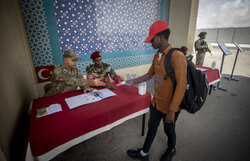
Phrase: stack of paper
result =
(104, 93)
(82, 99)
(123, 83)
(48, 110)
(94, 96)
(201, 69)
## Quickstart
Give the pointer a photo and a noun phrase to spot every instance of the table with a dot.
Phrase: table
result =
(213, 75)
(52, 134)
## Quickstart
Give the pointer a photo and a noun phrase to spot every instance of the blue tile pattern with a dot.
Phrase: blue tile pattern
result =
(37, 32)
(119, 63)
(107, 26)
(117, 28)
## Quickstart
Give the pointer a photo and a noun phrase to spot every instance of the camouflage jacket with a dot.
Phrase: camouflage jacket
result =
(201, 46)
(106, 70)
(63, 80)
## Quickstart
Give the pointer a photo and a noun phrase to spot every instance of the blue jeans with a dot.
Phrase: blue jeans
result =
(154, 121)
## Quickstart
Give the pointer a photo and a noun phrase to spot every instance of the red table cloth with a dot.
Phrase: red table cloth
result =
(50, 131)
(213, 75)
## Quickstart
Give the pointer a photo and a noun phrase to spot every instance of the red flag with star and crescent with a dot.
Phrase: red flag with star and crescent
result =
(44, 73)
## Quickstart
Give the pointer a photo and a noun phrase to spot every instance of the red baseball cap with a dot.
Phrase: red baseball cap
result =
(95, 54)
(156, 27)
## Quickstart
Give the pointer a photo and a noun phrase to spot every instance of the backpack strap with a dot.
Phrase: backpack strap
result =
(168, 67)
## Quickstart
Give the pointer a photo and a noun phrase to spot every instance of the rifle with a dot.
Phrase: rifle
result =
(206, 49)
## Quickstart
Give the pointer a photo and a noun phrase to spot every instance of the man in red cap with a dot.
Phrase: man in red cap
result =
(184, 49)
(165, 103)
(101, 74)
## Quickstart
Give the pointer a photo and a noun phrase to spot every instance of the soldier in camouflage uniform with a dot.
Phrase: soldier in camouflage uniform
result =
(101, 74)
(201, 48)
(67, 77)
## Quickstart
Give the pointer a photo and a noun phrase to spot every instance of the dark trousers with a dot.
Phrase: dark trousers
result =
(154, 121)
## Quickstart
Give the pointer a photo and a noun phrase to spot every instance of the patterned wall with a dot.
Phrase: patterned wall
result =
(117, 28)
(37, 31)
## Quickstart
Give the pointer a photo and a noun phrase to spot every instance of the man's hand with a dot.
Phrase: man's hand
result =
(170, 117)
(87, 90)
(98, 82)
(119, 79)
(130, 82)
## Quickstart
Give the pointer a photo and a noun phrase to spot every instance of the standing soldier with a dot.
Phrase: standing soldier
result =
(101, 74)
(201, 48)
(66, 77)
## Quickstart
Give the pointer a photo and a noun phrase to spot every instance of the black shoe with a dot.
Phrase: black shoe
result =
(137, 155)
(167, 156)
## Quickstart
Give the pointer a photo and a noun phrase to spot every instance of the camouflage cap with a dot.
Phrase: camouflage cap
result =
(71, 54)
(202, 33)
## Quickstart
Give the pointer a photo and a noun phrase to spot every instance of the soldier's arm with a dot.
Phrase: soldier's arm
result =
(88, 70)
(58, 75)
(78, 80)
(92, 78)
(74, 81)
(61, 76)
(53, 76)
(115, 77)
(83, 85)
(80, 76)
(112, 72)
(206, 48)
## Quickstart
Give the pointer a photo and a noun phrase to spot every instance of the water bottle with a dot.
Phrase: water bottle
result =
(142, 88)
(213, 65)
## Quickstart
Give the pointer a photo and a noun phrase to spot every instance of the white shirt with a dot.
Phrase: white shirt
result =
(160, 54)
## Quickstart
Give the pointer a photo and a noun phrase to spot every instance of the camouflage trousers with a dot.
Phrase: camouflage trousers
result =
(200, 58)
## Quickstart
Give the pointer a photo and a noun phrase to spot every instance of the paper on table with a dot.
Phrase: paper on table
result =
(123, 83)
(201, 69)
(94, 96)
(82, 99)
(104, 93)
(53, 108)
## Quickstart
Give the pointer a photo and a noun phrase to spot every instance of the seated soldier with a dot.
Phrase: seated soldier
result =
(66, 77)
(101, 74)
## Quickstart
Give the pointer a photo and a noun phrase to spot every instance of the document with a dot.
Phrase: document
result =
(91, 97)
(48, 110)
(104, 93)
(202, 69)
(123, 83)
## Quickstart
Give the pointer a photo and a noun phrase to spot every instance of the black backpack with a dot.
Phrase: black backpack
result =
(197, 84)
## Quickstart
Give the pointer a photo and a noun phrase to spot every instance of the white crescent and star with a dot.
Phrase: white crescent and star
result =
(40, 74)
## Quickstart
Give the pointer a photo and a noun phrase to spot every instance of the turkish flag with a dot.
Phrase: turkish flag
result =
(44, 73)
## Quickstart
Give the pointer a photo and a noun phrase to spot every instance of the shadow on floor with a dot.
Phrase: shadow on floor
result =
(218, 132)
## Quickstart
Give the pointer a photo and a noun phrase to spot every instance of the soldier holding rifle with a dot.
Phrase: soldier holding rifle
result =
(201, 47)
